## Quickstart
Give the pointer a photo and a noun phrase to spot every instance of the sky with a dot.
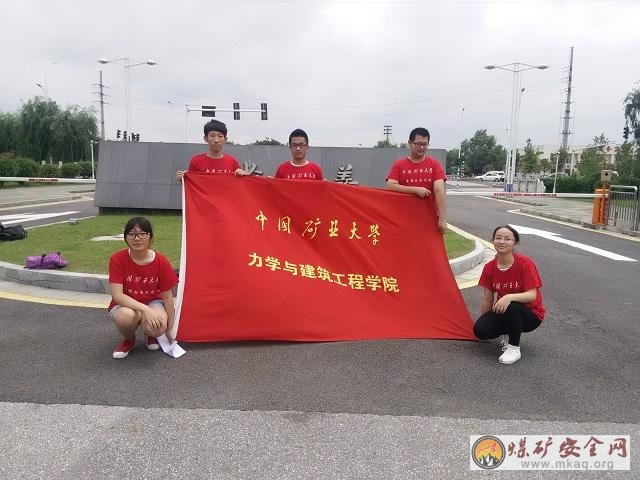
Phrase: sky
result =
(339, 69)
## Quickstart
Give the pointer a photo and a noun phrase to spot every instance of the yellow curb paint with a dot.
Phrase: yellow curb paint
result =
(468, 283)
(51, 301)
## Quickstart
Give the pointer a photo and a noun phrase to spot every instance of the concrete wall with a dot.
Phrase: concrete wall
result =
(142, 175)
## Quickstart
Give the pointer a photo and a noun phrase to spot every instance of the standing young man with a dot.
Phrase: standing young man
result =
(299, 168)
(420, 174)
(215, 160)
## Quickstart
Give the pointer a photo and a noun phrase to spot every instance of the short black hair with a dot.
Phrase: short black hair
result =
(142, 223)
(215, 126)
(298, 132)
(423, 132)
(516, 235)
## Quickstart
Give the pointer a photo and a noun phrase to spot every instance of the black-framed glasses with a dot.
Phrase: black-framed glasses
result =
(420, 144)
(298, 145)
(140, 235)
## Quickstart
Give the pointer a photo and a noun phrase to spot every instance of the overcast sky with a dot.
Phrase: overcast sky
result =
(339, 69)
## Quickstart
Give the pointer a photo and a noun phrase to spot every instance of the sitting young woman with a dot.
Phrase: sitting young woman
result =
(141, 283)
(511, 302)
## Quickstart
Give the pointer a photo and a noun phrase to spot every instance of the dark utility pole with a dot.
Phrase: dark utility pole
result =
(101, 94)
(387, 131)
(567, 107)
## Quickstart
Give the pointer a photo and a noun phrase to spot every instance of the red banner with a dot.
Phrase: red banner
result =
(270, 259)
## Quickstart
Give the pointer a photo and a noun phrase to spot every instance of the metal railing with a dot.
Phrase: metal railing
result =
(623, 207)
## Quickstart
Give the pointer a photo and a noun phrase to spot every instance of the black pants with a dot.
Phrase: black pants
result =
(515, 320)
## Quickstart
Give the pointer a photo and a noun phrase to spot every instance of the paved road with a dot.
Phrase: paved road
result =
(386, 409)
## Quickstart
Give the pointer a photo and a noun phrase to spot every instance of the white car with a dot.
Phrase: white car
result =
(492, 176)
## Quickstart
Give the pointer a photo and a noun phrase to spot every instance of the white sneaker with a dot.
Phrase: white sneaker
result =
(510, 355)
(503, 341)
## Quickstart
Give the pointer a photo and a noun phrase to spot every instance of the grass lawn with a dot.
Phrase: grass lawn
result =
(87, 256)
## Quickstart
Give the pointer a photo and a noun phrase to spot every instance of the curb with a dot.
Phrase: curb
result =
(470, 260)
(553, 216)
(22, 203)
(55, 279)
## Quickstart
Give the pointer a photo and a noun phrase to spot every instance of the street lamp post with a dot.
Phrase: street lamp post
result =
(44, 90)
(460, 169)
(173, 122)
(125, 62)
(515, 68)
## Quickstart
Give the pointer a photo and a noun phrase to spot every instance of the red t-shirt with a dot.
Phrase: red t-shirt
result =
(226, 165)
(420, 174)
(309, 171)
(522, 276)
(141, 282)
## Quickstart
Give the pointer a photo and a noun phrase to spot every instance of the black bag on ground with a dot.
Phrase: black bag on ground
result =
(12, 233)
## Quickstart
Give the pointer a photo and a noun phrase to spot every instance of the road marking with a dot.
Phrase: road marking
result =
(556, 238)
(18, 218)
(52, 301)
(579, 226)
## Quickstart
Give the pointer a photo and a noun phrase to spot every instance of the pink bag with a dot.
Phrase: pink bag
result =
(49, 261)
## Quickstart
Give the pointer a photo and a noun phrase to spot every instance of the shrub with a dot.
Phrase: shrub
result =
(26, 167)
(84, 169)
(572, 184)
(8, 167)
(69, 170)
(49, 170)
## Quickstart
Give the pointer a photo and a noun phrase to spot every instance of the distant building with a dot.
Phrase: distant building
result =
(575, 155)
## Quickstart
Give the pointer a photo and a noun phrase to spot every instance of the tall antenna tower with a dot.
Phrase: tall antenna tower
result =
(567, 106)
(102, 103)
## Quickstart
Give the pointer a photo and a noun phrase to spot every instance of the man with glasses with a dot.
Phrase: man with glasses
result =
(299, 168)
(421, 175)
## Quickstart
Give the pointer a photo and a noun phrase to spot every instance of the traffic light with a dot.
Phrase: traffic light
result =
(236, 111)
(124, 135)
(625, 133)
(263, 111)
(137, 137)
(208, 110)
(118, 132)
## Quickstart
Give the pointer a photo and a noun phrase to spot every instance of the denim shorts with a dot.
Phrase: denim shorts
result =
(152, 303)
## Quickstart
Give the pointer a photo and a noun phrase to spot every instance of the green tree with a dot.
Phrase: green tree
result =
(452, 161)
(590, 163)
(385, 144)
(267, 141)
(563, 158)
(35, 134)
(73, 131)
(529, 162)
(546, 166)
(632, 113)
(481, 153)
(600, 141)
(47, 133)
(8, 132)
(627, 164)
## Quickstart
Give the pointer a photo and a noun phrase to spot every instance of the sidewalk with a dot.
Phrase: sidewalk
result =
(76, 289)
(34, 194)
(578, 211)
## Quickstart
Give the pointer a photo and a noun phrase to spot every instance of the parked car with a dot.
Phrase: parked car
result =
(492, 176)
